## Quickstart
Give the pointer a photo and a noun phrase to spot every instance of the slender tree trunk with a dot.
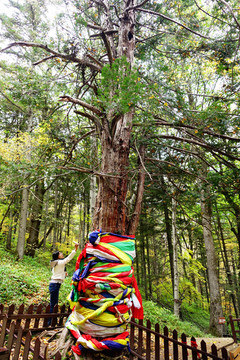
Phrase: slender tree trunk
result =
(10, 228)
(84, 216)
(175, 259)
(226, 262)
(168, 233)
(46, 221)
(143, 268)
(6, 212)
(214, 288)
(35, 219)
(22, 223)
(149, 267)
(55, 215)
(137, 262)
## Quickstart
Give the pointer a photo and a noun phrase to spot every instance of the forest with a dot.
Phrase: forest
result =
(123, 115)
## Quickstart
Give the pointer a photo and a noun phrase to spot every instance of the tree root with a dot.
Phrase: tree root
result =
(62, 341)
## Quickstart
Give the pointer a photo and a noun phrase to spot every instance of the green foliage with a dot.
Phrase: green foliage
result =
(120, 87)
(165, 317)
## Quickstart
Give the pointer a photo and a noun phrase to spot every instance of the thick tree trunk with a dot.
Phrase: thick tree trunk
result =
(111, 209)
(214, 288)
(22, 223)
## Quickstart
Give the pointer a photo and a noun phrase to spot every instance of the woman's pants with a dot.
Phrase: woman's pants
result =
(54, 293)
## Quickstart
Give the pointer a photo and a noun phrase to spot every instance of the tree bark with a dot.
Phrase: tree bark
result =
(168, 231)
(175, 259)
(214, 288)
(56, 214)
(22, 223)
(226, 262)
(10, 228)
(35, 219)
(111, 209)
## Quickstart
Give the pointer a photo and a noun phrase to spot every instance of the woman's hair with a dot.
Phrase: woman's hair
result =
(55, 255)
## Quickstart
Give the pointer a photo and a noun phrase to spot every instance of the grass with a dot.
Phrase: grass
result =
(27, 281)
(165, 317)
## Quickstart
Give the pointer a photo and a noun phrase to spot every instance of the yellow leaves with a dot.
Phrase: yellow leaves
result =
(196, 131)
(18, 148)
(151, 97)
(165, 104)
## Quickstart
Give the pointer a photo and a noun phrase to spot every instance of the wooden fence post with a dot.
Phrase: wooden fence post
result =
(140, 338)
(175, 345)
(204, 349)
(20, 311)
(3, 331)
(157, 342)
(184, 347)
(148, 341)
(18, 343)
(166, 344)
(27, 345)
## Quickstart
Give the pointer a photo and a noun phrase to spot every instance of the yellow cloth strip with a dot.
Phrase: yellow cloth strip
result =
(98, 312)
(125, 259)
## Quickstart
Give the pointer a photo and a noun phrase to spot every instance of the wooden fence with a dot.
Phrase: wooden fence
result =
(16, 330)
(149, 344)
(145, 343)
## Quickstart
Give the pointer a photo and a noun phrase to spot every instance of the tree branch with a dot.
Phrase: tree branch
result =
(141, 161)
(95, 60)
(45, 59)
(57, 54)
(175, 166)
(67, 98)
(231, 10)
(214, 17)
(137, 6)
(108, 47)
(174, 21)
(7, 98)
(209, 132)
(90, 117)
(69, 156)
(206, 146)
(88, 171)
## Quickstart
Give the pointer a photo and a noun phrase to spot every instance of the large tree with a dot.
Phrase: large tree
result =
(98, 52)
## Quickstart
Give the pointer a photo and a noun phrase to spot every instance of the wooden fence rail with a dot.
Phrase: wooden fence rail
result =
(145, 343)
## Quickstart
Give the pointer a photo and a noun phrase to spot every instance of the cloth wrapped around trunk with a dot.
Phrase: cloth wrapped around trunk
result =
(104, 293)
